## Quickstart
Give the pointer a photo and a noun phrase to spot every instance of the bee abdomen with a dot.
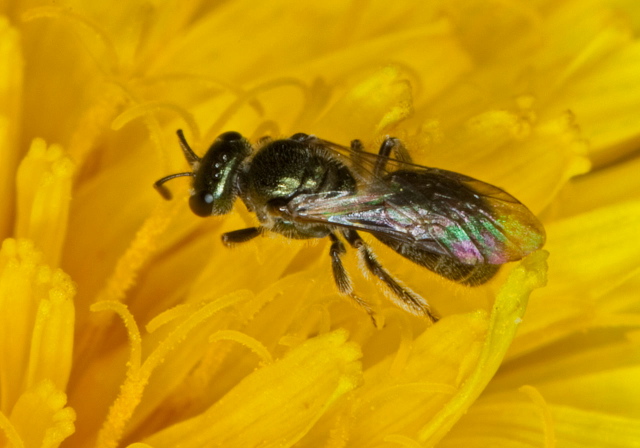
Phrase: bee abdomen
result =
(447, 267)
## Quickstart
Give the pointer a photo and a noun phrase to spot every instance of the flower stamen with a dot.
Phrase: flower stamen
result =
(156, 357)
(244, 339)
(404, 441)
(250, 96)
(12, 436)
(545, 413)
(406, 343)
(138, 374)
(46, 12)
(150, 107)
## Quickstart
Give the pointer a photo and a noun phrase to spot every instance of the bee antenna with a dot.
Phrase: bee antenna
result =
(191, 156)
(164, 191)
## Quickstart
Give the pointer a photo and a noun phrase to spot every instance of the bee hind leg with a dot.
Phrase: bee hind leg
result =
(341, 277)
(402, 296)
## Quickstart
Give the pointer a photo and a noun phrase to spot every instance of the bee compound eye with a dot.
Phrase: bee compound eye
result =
(201, 203)
(230, 136)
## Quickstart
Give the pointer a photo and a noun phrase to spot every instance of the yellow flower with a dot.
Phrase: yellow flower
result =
(125, 322)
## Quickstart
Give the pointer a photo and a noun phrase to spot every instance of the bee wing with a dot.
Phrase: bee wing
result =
(434, 210)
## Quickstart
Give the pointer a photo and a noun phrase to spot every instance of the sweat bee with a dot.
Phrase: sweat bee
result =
(304, 187)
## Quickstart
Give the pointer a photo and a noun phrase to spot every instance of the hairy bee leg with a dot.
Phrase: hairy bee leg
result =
(357, 149)
(341, 277)
(264, 140)
(408, 300)
(302, 137)
(240, 236)
(389, 145)
(357, 146)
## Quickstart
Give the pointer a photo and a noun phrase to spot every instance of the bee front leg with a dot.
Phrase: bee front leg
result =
(240, 236)
(341, 277)
(264, 140)
(402, 296)
(304, 138)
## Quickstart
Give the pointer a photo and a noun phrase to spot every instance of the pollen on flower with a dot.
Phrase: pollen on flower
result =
(40, 418)
(253, 344)
(139, 371)
(384, 97)
(279, 402)
(139, 250)
(36, 344)
(44, 193)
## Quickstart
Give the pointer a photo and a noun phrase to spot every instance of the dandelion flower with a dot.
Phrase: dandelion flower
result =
(126, 323)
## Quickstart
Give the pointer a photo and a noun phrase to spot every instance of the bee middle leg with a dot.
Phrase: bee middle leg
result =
(240, 236)
(341, 277)
(389, 145)
(402, 296)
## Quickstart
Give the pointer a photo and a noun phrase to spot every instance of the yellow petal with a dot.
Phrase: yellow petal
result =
(44, 193)
(37, 321)
(40, 417)
(604, 95)
(447, 369)
(604, 232)
(583, 427)
(90, 257)
(590, 255)
(276, 405)
(599, 189)
(511, 420)
(512, 151)
(375, 104)
(11, 61)
(562, 371)
(524, 95)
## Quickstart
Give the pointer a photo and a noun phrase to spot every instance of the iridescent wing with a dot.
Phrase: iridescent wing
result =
(435, 210)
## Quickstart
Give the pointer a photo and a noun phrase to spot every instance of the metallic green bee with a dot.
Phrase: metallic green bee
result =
(304, 187)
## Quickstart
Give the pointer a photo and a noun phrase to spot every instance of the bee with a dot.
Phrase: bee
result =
(304, 187)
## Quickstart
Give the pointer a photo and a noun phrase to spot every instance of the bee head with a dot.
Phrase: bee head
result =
(214, 188)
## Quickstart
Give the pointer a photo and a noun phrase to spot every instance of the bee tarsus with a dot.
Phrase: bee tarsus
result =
(341, 277)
